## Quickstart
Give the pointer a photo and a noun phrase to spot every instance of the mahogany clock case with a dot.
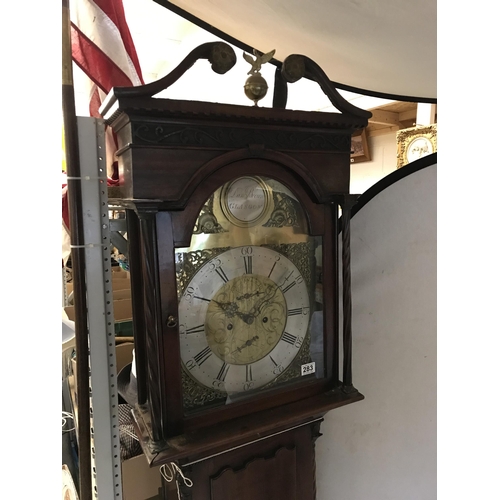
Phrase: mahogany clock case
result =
(171, 227)
(173, 156)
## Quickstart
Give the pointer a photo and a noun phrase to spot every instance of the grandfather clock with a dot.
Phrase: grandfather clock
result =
(233, 230)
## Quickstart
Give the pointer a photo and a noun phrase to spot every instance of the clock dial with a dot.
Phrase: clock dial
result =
(243, 318)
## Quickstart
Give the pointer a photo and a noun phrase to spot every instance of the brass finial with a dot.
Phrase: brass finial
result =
(256, 86)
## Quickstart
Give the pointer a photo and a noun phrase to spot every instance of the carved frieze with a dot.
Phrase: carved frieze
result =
(236, 138)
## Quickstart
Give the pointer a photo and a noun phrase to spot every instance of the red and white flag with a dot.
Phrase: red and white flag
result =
(102, 47)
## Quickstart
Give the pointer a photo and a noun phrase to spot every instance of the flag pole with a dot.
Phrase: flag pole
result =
(77, 260)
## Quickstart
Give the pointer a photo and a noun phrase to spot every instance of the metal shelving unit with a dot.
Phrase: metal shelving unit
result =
(105, 439)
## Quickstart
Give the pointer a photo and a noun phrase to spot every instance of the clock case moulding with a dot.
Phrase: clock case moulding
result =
(172, 155)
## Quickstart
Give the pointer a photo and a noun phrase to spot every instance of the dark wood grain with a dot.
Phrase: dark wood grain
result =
(170, 366)
(220, 55)
(137, 287)
(202, 443)
(261, 477)
(172, 156)
(278, 467)
(347, 205)
(153, 342)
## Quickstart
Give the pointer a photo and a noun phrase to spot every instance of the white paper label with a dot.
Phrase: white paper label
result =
(309, 368)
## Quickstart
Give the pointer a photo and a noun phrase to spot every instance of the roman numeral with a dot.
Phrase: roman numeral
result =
(274, 362)
(271, 271)
(290, 285)
(202, 356)
(201, 298)
(287, 337)
(249, 373)
(294, 312)
(223, 372)
(222, 274)
(196, 329)
(248, 264)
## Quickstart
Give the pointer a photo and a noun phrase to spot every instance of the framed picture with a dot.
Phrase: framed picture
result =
(416, 142)
(359, 147)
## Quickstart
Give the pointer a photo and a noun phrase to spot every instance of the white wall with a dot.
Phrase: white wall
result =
(384, 447)
(383, 151)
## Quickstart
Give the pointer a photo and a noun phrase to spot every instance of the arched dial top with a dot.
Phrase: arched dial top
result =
(243, 318)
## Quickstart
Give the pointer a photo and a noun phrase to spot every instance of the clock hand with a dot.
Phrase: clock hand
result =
(248, 295)
(234, 305)
(265, 300)
(255, 311)
(246, 344)
(229, 308)
(246, 317)
(249, 317)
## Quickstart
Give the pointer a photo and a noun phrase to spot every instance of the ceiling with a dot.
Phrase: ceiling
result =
(381, 46)
(361, 48)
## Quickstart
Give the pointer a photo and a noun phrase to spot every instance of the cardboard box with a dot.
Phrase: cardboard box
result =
(125, 293)
(119, 281)
(122, 310)
(120, 275)
(139, 481)
(120, 284)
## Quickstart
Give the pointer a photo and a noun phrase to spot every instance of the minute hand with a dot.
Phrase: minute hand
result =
(255, 311)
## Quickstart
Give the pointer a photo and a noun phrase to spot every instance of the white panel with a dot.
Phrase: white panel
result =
(383, 152)
(384, 448)
(386, 46)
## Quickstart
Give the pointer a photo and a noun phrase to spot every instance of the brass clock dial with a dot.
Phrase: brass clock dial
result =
(243, 318)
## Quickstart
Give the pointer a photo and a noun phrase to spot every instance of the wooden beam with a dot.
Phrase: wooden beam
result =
(408, 115)
(381, 131)
(384, 117)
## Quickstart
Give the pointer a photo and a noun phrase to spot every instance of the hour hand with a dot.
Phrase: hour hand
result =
(249, 342)
(229, 308)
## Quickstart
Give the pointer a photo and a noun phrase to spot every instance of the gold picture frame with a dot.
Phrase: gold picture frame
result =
(359, 147)
(415, 143)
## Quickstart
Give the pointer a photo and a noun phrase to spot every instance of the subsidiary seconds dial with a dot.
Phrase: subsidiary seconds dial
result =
(243, 318)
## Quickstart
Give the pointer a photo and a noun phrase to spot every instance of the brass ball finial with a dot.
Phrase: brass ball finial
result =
(256, 86)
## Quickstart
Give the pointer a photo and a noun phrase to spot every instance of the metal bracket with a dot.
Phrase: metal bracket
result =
(105, 439)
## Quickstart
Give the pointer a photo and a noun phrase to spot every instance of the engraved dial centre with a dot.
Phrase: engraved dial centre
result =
(245, 319)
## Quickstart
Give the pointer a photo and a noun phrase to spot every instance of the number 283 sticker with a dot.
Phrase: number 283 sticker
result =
(308, 368)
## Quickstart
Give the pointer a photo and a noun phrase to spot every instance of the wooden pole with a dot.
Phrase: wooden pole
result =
(77, 260)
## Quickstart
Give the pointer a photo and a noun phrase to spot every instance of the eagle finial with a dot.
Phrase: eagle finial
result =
(258, 61)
